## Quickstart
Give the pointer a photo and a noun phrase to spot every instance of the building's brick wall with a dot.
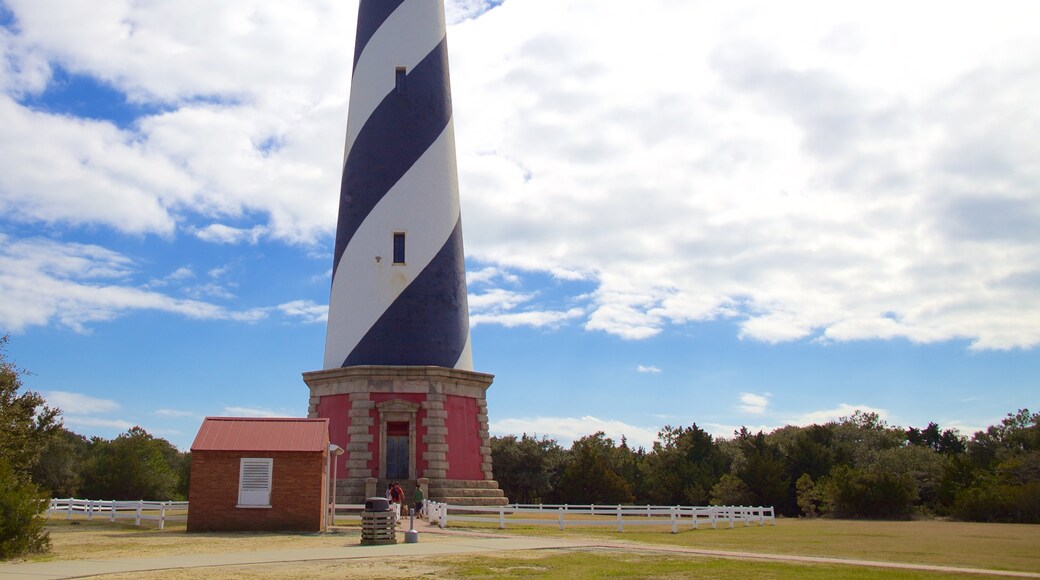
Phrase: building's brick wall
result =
(297, 491)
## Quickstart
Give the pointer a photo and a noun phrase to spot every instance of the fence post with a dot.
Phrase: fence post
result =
(696, 517)
(90, 509)
(731, 517)
(112, 512)
(714, 518)
(162, 516)
(675, 525)
(648, 510)
(620, 524)
(592, 509)
(561, 510)
(444, 516)
(501, 517)
(140, 505)
(69, 516)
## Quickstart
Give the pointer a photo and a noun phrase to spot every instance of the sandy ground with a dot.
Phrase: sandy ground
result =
(105, 541)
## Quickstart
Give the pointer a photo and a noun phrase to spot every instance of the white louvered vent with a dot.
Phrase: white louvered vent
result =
(254, 482)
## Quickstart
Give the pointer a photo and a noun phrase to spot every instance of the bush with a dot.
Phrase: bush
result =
(21, 527)
(730, 490)
(854, 493)
(991, 502)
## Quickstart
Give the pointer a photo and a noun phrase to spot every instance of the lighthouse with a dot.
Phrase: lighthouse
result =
(398, 385)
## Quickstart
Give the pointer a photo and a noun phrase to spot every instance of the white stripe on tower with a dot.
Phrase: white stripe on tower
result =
(404, 39)
(399, 177)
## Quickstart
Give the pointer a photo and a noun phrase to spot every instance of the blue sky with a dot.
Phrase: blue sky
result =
(729, 215)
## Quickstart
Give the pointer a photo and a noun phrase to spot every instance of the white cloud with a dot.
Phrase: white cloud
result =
(177, 414)
(567, 429)
(725, 431)
(222, 234)
(116, 424)
(489, 275)
(649, 370)
(79, 404)
(511, 308)
(250, 412)
(753, 404)
(306, 310)
(43, 281)
(845, 177)
(534, 319)
(822, 416)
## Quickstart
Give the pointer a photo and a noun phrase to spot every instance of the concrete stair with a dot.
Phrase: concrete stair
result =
(467, 492)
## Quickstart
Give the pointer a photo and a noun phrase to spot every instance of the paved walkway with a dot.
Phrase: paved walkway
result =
(454, 543)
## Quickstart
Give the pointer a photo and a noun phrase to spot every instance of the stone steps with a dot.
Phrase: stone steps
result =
(467, 492)
(474, 501)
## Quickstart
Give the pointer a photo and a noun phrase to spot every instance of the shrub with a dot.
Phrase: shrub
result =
(21, 527)
(992, 502)
(873, 494)
(730, 490)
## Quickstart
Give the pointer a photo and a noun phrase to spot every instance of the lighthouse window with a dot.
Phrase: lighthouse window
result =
(401, 77)
(399, 247)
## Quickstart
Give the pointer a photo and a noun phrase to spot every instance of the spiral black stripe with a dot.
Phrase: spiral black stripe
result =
(371, 15)
(428, 324)
(396, 135)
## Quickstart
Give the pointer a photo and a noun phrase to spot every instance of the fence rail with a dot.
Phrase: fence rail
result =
(113, 510)
(586, 515)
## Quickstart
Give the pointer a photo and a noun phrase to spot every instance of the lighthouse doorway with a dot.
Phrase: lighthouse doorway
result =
(397, 446)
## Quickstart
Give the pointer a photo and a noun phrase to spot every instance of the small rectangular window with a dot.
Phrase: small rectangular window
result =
(402, 76)
(399, 247)
(254, 482)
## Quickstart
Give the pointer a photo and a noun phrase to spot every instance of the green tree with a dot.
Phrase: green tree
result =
(589, 476)
(26, 424)
(859, 437)
(808, 496)
(926, 467)
(947, 442)
(132, 466)
(527, 469)
(1018, 433)
(683, 467)
(765, 472)
(731, 490)
(21, 503)
(58, 470)
(873, 494)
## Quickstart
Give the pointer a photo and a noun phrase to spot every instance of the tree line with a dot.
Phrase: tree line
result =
(41, 459)
(855, 467)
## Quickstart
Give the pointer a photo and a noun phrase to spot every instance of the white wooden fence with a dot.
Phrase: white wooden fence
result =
(113, 510)
(438, 513)
(601, 515)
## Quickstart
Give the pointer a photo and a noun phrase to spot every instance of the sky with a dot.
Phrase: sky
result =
(743, 213)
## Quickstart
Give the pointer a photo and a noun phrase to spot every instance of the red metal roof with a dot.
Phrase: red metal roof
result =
(256, 434)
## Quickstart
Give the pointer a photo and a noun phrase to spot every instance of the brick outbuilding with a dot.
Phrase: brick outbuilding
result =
(251, 474)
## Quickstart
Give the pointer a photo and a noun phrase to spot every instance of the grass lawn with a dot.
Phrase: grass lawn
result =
(994, 546)
(545, 564)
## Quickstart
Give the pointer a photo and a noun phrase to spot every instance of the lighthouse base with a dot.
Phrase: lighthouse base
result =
(406, 423)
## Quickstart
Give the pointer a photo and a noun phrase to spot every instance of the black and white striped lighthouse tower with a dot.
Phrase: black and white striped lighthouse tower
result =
(398, 384)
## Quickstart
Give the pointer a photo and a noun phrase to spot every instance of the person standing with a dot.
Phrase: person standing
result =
(396, 499)
(418, 499)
